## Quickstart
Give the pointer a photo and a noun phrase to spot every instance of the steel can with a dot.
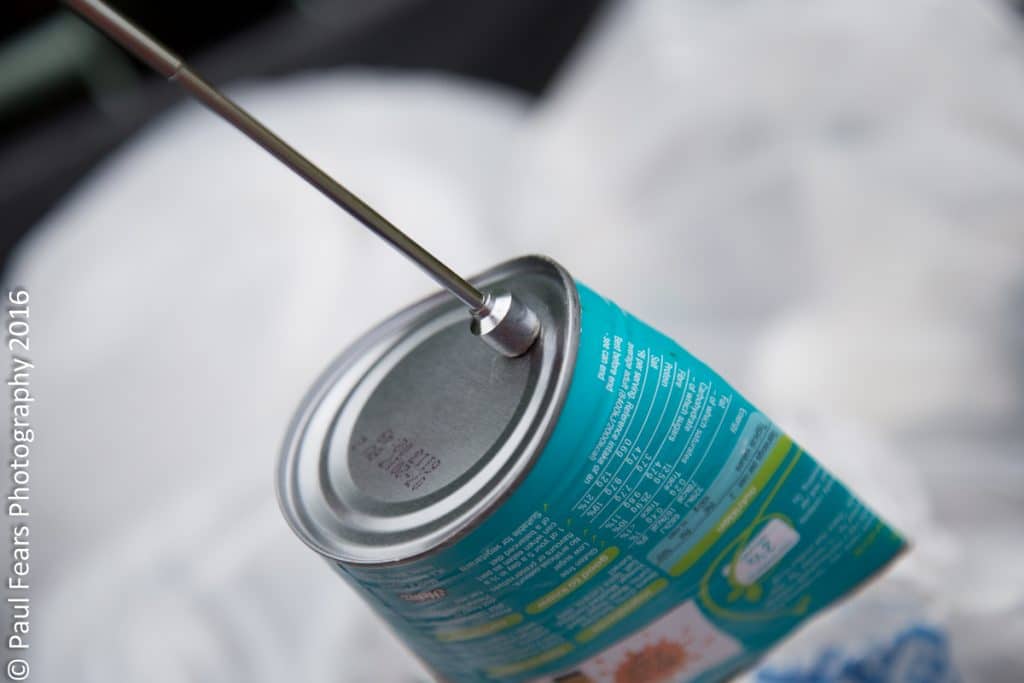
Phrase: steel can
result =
(604, 508)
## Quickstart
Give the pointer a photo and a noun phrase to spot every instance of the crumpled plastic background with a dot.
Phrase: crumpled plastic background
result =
(823, 200)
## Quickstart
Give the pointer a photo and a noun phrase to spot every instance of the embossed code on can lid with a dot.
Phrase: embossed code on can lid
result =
(418, 429)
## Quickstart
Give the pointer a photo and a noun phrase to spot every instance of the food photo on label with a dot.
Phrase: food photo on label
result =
(597, 342)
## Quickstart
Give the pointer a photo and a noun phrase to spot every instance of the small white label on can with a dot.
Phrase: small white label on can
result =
(769, 546)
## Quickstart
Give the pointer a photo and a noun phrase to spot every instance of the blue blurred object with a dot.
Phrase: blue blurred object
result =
(920, 654)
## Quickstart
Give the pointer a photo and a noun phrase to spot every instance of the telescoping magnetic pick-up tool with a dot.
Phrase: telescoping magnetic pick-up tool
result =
(498, 318)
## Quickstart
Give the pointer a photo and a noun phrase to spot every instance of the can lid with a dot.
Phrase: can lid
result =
(418, 429)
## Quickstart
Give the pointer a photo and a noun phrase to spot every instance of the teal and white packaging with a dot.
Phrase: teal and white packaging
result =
(667, 531)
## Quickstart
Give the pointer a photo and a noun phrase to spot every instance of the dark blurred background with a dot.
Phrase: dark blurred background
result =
(68, 96)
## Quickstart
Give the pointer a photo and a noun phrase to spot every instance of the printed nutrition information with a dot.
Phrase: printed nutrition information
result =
(19, 383)
(664, 416)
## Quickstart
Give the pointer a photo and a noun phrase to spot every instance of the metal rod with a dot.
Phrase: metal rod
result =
(174, 69)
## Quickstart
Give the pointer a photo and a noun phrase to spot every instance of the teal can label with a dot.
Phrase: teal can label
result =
(668, 531)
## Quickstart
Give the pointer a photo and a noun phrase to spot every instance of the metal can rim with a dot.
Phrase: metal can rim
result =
(543, 421)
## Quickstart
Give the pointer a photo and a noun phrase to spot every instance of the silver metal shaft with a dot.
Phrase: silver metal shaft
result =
(499, 319)
(174, 69)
